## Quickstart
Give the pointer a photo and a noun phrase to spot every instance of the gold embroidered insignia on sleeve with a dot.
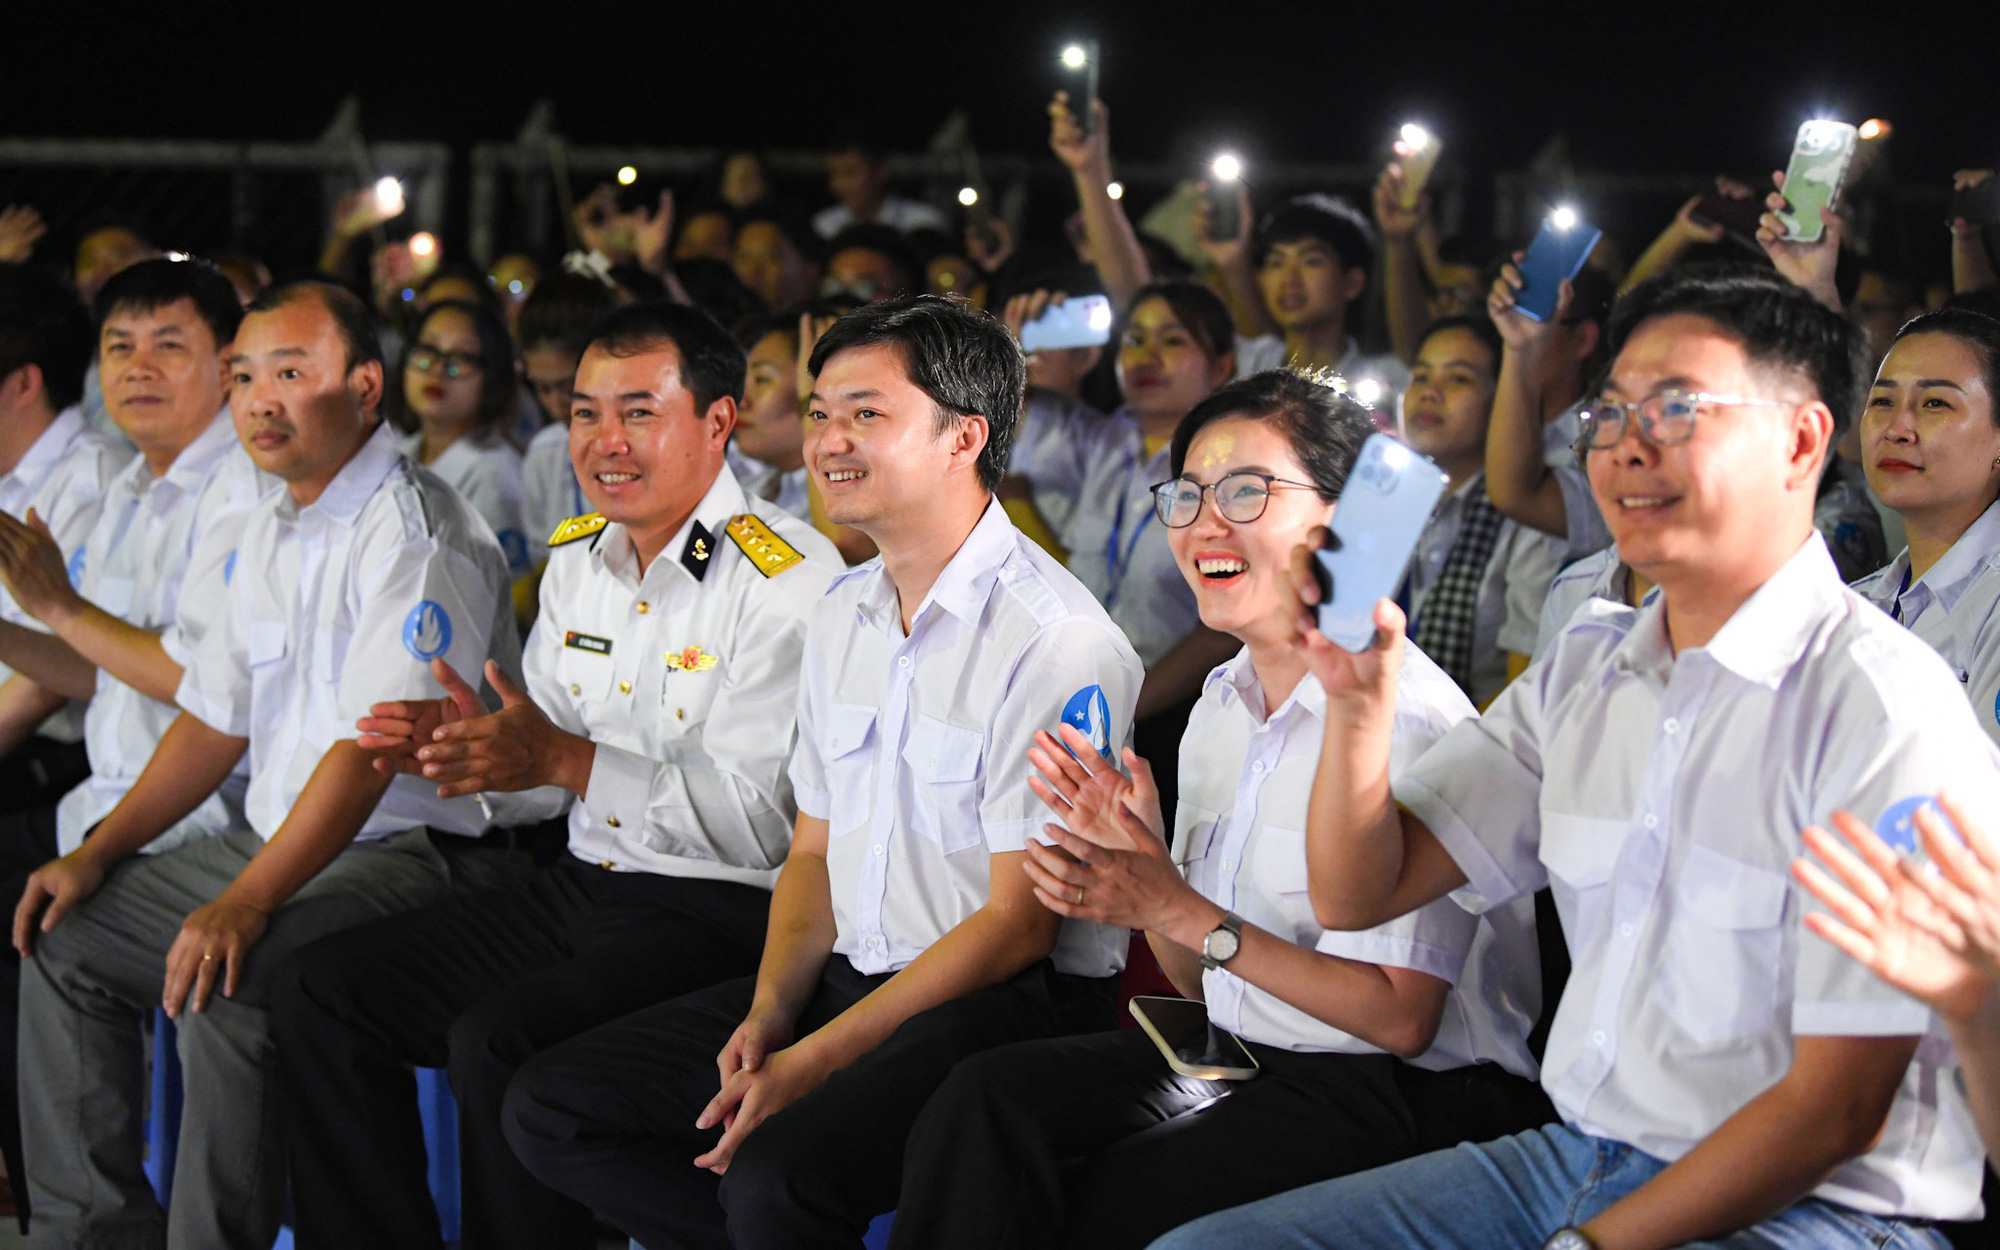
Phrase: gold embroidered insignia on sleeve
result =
(577, 527)
(768, 552)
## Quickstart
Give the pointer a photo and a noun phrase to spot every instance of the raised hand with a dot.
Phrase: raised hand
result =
(1519, 331)
(20, 228)
(33, 569)
(1021, 309)
(358, 212)
(1092, 799)
(1809, 266)
(1373, 672)
(1392, 217)
(515, 748)
(1235, 249)
(396, 730)
(1084, 154)
(649, 233)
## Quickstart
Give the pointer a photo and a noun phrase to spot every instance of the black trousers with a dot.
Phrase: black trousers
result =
(27, 841)
(476, 984)
(608, 1117)
(1096, 1142)
(39, 772)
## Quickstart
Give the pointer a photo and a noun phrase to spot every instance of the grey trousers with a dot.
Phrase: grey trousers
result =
(84, 998)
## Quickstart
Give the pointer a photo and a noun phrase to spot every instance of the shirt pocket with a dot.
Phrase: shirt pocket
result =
(1195, 832)
(1279, 865)
(850, 772)
(587, 675)
(264, 643)
(1580, 853)
(329, 657)
(944, 761)
(1725, 948)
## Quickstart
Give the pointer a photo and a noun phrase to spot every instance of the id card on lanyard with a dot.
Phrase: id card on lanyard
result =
(1119, 549)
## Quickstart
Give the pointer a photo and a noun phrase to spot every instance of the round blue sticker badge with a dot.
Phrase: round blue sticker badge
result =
(75, 567)
(427, 630)
(1898, 825)
(1089, 712)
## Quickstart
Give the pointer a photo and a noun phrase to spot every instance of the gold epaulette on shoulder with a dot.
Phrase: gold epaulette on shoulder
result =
(577, 527)
(770, 554)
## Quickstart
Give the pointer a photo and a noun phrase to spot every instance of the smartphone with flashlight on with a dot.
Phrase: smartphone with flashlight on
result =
(1081, 322)
(1557, 253)
(1191, 1045)
(1820, 157)
(1224, 197)
(1417, 152)
(1381, 514)
(1076, 75)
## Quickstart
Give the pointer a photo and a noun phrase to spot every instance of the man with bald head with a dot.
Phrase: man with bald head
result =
(350, 580)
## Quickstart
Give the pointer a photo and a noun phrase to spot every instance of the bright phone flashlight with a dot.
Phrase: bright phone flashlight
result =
(1415, 136)
(1227, 167)
(968, 196)
(423, 243)
(1116, 190)
(389, 195)
(1876, 128)
(1563, 218)
(627, 176)
(1074, 56)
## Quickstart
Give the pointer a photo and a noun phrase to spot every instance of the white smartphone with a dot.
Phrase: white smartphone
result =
(1192, 1046)
(1377, 522)
(1818, 166)
(1417, 152)
(1081, 322)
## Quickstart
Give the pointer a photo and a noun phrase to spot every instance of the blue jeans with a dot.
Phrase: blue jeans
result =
(1510, 1192)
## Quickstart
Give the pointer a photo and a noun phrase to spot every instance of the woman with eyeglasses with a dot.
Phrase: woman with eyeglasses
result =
(1370, 1046)
(1930, 441)
(457, 389)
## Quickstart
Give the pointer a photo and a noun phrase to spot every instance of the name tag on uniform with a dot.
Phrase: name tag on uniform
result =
(587, 642)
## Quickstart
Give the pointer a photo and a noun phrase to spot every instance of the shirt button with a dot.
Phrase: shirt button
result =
(1625, 930)
(872, 943)
(1598, 1037)
(624, 687)
(605, 863)
(1651, 821)
(903, 661)
(576, 689)
(1227, 864)
(878, 848)
(644, 607)
(1257, 767)
(1672, 726)
(612, 821)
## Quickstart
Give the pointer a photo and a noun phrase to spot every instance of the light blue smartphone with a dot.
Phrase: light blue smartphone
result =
(1380, 516)
(1081, 322)
(1556, 256)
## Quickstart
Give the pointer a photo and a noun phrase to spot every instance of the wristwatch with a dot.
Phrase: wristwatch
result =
(1571, 1238)
(1222, 942)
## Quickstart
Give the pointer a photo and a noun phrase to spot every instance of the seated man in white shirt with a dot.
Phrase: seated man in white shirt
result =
(51, 461)
(858, 177)
(1723, 1078)
(662, 678)
(904, 930)
(352, 579)
(119, 633)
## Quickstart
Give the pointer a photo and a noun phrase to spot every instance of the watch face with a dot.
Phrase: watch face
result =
(1222, 945)
(1568, 1239)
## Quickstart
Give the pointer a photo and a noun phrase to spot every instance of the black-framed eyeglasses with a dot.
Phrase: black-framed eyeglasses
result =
(1239, 497)
(425, 358)
(1664, 418)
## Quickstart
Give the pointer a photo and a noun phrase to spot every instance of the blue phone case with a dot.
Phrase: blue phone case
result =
(1553, 259)
(1382, 513)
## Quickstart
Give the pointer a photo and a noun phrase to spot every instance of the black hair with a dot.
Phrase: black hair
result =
(151, 285)
(857, 134)
(1480, 327)
(1592, 292)
(42, 323)
(561, 309)
(1778, 326)
(685, 213)
(1199, 310)
(751, 331)
(1977, 331)
(1328, 218)
(713, 287)
(964, 359)
(351, 318)
(712, 365)
(1324, 427)
(499, 387)
(885, 240)
(483, 291)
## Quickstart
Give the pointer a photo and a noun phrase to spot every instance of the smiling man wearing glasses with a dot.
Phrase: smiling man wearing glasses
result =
(1719, 1073)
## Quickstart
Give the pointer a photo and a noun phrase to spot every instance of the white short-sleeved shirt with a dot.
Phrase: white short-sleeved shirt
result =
(914, 749)
(1600, 579)
(550, 493)
(1118, 549)
(1239, 834)
(1587, 530)
(161, 557)
(342, 604)
(1955, 607)
(1662, 800)
(904, 215)
(1059, 440)
(686, 676)
(486, 469)
(63, 476)
(1511, 590)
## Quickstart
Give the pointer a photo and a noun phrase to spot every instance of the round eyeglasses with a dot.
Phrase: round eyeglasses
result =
(427, 359)
(1239, 497)
(1664, 417)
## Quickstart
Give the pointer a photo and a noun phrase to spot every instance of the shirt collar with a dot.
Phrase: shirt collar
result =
(46, 450)
(963, 585)
(1235, 681)
(356, 483)
(723, 501)
(1975, 549)
(1765, 636)
(199, 456)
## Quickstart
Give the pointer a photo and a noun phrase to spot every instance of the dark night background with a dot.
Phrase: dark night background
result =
(1685, 89)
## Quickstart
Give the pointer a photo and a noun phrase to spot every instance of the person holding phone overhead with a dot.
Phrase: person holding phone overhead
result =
(1063, 1142)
